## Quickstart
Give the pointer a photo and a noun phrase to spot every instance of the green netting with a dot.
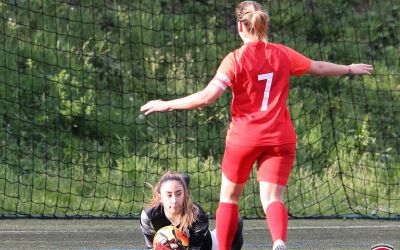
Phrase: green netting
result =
(73, 75)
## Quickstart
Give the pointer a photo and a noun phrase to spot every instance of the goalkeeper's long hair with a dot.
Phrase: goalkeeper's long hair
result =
(189, 212)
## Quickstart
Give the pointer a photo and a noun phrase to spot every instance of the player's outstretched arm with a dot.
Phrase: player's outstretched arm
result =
(321, 68)
(199, 99)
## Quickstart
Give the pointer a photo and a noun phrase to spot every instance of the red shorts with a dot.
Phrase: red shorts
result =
(274, 163)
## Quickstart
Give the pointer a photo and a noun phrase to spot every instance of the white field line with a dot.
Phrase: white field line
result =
(333, 227)
(35, 231)
(347, 227)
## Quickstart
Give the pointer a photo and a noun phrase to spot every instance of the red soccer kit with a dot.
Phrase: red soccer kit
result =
(258, 74)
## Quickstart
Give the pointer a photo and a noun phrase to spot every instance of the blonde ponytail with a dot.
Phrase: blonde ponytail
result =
(254, 18)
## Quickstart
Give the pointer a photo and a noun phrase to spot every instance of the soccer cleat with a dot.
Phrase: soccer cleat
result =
(279, 245)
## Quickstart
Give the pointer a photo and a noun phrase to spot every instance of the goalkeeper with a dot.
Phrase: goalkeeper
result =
(171, 205)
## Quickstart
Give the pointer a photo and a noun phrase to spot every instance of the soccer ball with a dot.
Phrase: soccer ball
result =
(170, 237)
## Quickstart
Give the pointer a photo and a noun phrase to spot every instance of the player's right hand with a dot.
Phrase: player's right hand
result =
(155, 106)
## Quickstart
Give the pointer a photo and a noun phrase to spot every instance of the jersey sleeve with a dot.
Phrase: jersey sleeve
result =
(147, 229)
(225, 73)
(200, 236)
(299, 64)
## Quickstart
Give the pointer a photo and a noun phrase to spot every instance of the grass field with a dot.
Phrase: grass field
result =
(125, 234)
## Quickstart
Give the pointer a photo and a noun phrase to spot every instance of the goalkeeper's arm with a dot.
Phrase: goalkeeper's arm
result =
(147, 229)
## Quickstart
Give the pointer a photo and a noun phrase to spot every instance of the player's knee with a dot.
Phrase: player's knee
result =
(229, 197)
(268, 202)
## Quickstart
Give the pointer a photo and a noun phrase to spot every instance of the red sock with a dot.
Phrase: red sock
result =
(227, 223)
(277, 220)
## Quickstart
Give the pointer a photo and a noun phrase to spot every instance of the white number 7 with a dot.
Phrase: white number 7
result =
(267, 77)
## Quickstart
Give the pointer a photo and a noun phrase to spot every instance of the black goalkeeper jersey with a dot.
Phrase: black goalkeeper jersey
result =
(152, 219)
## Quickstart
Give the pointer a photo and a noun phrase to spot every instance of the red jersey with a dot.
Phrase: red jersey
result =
(258, 74)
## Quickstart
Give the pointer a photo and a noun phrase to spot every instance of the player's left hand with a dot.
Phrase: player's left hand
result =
(155, 106)
(360, 69)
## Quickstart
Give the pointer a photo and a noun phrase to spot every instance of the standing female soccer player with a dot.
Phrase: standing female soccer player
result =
(261, 129)
(172, 205)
